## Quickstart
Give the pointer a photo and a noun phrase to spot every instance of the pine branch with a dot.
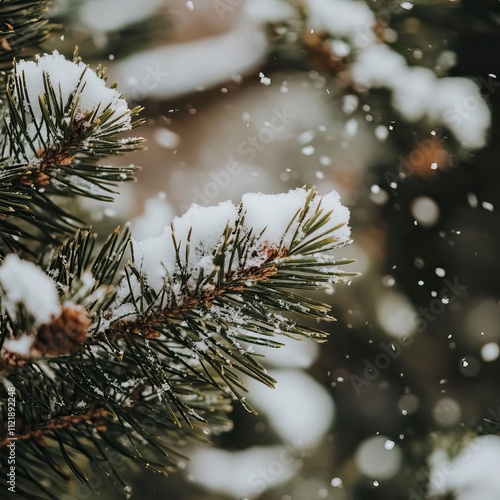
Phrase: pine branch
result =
(60, 124)
(22, 28)
(171, 352)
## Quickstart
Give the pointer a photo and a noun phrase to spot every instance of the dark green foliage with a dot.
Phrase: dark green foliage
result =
(138, 385)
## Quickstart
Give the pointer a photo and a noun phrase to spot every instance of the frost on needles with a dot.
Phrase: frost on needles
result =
(139, 345)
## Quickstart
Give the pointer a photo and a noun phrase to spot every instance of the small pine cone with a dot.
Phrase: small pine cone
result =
(65, 333)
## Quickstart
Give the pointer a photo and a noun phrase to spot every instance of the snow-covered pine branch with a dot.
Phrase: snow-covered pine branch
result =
(170, 342)
(61, 120)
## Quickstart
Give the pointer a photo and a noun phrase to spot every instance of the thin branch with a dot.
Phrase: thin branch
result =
(93, 415)
(234, 283)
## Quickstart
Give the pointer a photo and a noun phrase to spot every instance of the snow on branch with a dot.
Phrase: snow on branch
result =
(58, 108)
(210, 246)
(31, 300)
(25, 284)
(60, 120)
(222, 278)
(74, 82)
(176, 334)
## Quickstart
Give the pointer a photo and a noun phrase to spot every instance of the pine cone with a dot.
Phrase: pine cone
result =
(65, 333)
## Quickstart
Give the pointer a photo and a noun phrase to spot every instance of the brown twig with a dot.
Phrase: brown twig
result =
(94, 415)
(234, 282)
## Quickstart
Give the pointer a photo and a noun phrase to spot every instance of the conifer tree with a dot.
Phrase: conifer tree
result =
(130, 348)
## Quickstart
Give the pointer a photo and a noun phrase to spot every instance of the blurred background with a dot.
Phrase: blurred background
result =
(396, 106)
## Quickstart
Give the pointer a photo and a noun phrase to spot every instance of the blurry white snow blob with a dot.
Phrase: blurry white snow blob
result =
(472, 474)
(378, 457)
(298, 407)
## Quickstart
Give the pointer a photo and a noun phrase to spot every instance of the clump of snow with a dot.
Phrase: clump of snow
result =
(376, 66)
(203, 227)
(458, 104)
(20, 346)
(206, 225)
(70, 80)
(296, 402)
(264, 79)
(157, 214)
(268, 11)
(238, 474)
(25, 283)
(418, 93)
(412, 89)
(270, 214)
(153, 257)
(110, 15)
(343, 18)
(472, 474)
(187, 247)
(198, 64)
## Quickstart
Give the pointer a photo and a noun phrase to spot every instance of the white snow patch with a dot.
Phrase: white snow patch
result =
(268, 11)
(411, 90)
(264, 79)
(25, 283)
(110, 15)
(376, 66)
(66, 77)
(472, 474)
(199, 232)
(457, 103)
(343, 18)
(20, 346)
(297, 408)
(157, 214)
(203, 226)
(182, 68)
(417, 94)
(272, 213)
(236, 473)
